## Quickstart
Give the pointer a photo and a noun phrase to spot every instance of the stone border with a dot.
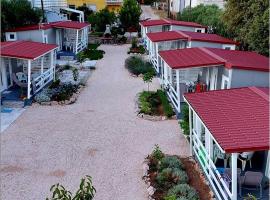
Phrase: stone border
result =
(72, 99)
(151, 190)
(150, 117)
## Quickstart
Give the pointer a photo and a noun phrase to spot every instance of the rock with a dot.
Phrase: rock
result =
(67, 102)
(140, 75)
(151, 190)
(72, 99)
(163, 118)
(174, 117)
(45, 103)
(54, 103)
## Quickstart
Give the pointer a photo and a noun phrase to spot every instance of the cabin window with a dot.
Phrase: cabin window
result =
(199, 31)
(228, 48)
(11, 36)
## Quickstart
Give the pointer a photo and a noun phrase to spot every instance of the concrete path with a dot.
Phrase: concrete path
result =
(100, 135)
(148, 13)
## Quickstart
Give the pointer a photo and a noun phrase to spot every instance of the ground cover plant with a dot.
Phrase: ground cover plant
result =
(137, 65)
(175, 178)
(86, 191)
(184, 123)
(155, 103)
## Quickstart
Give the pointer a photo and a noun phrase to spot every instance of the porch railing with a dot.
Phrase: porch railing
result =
(220, 187)
(43, 79)
(172, 93)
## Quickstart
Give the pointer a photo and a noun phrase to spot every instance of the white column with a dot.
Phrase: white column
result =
(190, 130)
(29, 79)
(42, 65)
(234, 175)
(178, 90)
(76, 42)
(10, 71)
(170, 71)
(52, 65)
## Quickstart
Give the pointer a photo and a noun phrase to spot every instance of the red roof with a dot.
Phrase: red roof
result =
(165, 36)
(159, 22)
(188, 35)
(206, 37)
(204, 57)
(237, 118)
(45, 26)
(25, 49)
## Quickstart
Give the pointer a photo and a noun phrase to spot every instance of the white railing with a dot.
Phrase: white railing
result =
(154, 62)
(43, 79)
(172, 94)
(220, 187)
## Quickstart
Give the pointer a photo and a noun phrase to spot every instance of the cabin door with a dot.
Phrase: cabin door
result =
(213, 81)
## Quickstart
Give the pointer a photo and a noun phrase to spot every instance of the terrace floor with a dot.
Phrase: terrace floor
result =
(100, 135)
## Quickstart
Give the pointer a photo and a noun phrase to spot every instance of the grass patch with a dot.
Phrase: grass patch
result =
(136, 65)
(155, 103)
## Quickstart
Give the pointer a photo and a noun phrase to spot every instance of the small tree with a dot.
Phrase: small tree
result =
(148, 78)
(100, 19)
(80, 57)
(129, 14)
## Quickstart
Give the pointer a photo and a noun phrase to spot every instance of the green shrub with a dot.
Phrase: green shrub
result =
(67, 67)
(43, 96)
(170, 162)
(93, 46)
(167, 108)
(63, 92)
(183, 190)
(134, 43)
(169, 177)
(148, 103)
(185, 122)
(172, 197)
(93, 54)
(55, 84)
(136, 65)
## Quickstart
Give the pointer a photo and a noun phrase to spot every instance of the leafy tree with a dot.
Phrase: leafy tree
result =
(129, 14)
(208, 15)
(15, 13)
(85, 10)
(100, 19)
(248, 21)
(148, 77)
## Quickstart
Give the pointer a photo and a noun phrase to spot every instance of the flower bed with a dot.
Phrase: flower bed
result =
(172, 178)
(155, 104)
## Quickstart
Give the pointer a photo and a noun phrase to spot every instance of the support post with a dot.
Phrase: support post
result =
(42, 65)
(234, 175)
(52, 65)
(29, 79)
(190, 131)
(178, 91)
(77, 39)
(10, 71)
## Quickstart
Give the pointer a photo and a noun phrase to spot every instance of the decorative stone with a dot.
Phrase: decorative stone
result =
(151, 190)
(163, 118)
(140, 75)
(45, 103)
(54, 103)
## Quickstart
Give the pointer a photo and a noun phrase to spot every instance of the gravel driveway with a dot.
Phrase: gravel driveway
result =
(99, 135)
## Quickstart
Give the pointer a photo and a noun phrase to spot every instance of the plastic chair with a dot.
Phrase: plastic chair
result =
(251, 179)
(244, 158)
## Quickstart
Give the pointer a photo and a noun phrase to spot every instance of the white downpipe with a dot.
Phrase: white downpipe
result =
(77, 39)
(52, 65)
(29, 79)
(178, 90)
(234, 175)
(190, 131)
(42, 65)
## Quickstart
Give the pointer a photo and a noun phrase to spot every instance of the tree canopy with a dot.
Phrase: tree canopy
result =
(248, 22)
(16, 13)
(208, 15)
(129, 14)
(100, 19)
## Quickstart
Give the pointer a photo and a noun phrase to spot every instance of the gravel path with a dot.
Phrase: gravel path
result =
(99, 135)
(147, 12)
